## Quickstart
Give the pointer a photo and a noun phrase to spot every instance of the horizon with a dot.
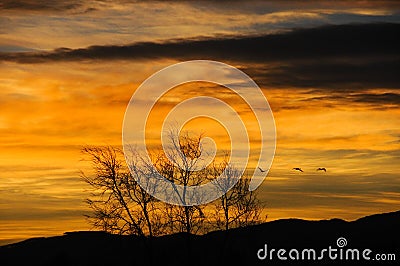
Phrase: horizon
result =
(6, 243)
(69, 70)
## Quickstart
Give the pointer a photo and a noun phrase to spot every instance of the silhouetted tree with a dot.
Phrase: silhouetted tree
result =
(119, 204)
(179, 165)
(237, 207)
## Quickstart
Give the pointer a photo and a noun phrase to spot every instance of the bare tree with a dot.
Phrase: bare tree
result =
(238, 207)
(120, 205)
(179, 165)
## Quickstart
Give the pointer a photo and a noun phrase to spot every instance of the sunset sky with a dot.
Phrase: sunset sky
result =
(329, 69)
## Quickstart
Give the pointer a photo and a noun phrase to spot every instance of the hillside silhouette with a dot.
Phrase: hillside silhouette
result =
(379, 232)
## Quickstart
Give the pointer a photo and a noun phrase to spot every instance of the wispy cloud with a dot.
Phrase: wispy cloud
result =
(50, 24)
(337, 57)
(373, 99)
(334, 42)
(41, 5)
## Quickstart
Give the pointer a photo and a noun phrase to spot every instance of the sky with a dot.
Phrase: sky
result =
(329, 69)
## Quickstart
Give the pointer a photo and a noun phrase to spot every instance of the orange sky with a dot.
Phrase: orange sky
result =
(50, 110)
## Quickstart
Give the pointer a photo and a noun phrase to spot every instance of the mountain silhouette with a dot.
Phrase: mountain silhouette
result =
(379, 233)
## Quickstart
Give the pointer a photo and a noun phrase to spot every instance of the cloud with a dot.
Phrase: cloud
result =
(334, 42)
(373, 99)
(339, 57)
(237, 3)
(391, 98)
(40, 5)
(326, 72)
(117, 22)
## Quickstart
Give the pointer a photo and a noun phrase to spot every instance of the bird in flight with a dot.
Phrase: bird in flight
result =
(298, 169)
(321, 169)
(261, 170)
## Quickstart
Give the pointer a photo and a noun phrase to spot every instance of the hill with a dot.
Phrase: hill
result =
(378, 233)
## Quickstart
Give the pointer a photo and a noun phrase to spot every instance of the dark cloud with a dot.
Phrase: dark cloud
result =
(41, 5)
(328, 42)
(65, 5)
(257, 6)
(337, 56)
(376, 100)
(346, 75)
(391, 98)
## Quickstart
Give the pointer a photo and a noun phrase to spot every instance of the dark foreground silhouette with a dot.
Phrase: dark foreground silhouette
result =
(379, 233)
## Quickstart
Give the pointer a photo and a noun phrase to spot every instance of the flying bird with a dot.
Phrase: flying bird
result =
(298, 169)
(261, 170)
(321, 169)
